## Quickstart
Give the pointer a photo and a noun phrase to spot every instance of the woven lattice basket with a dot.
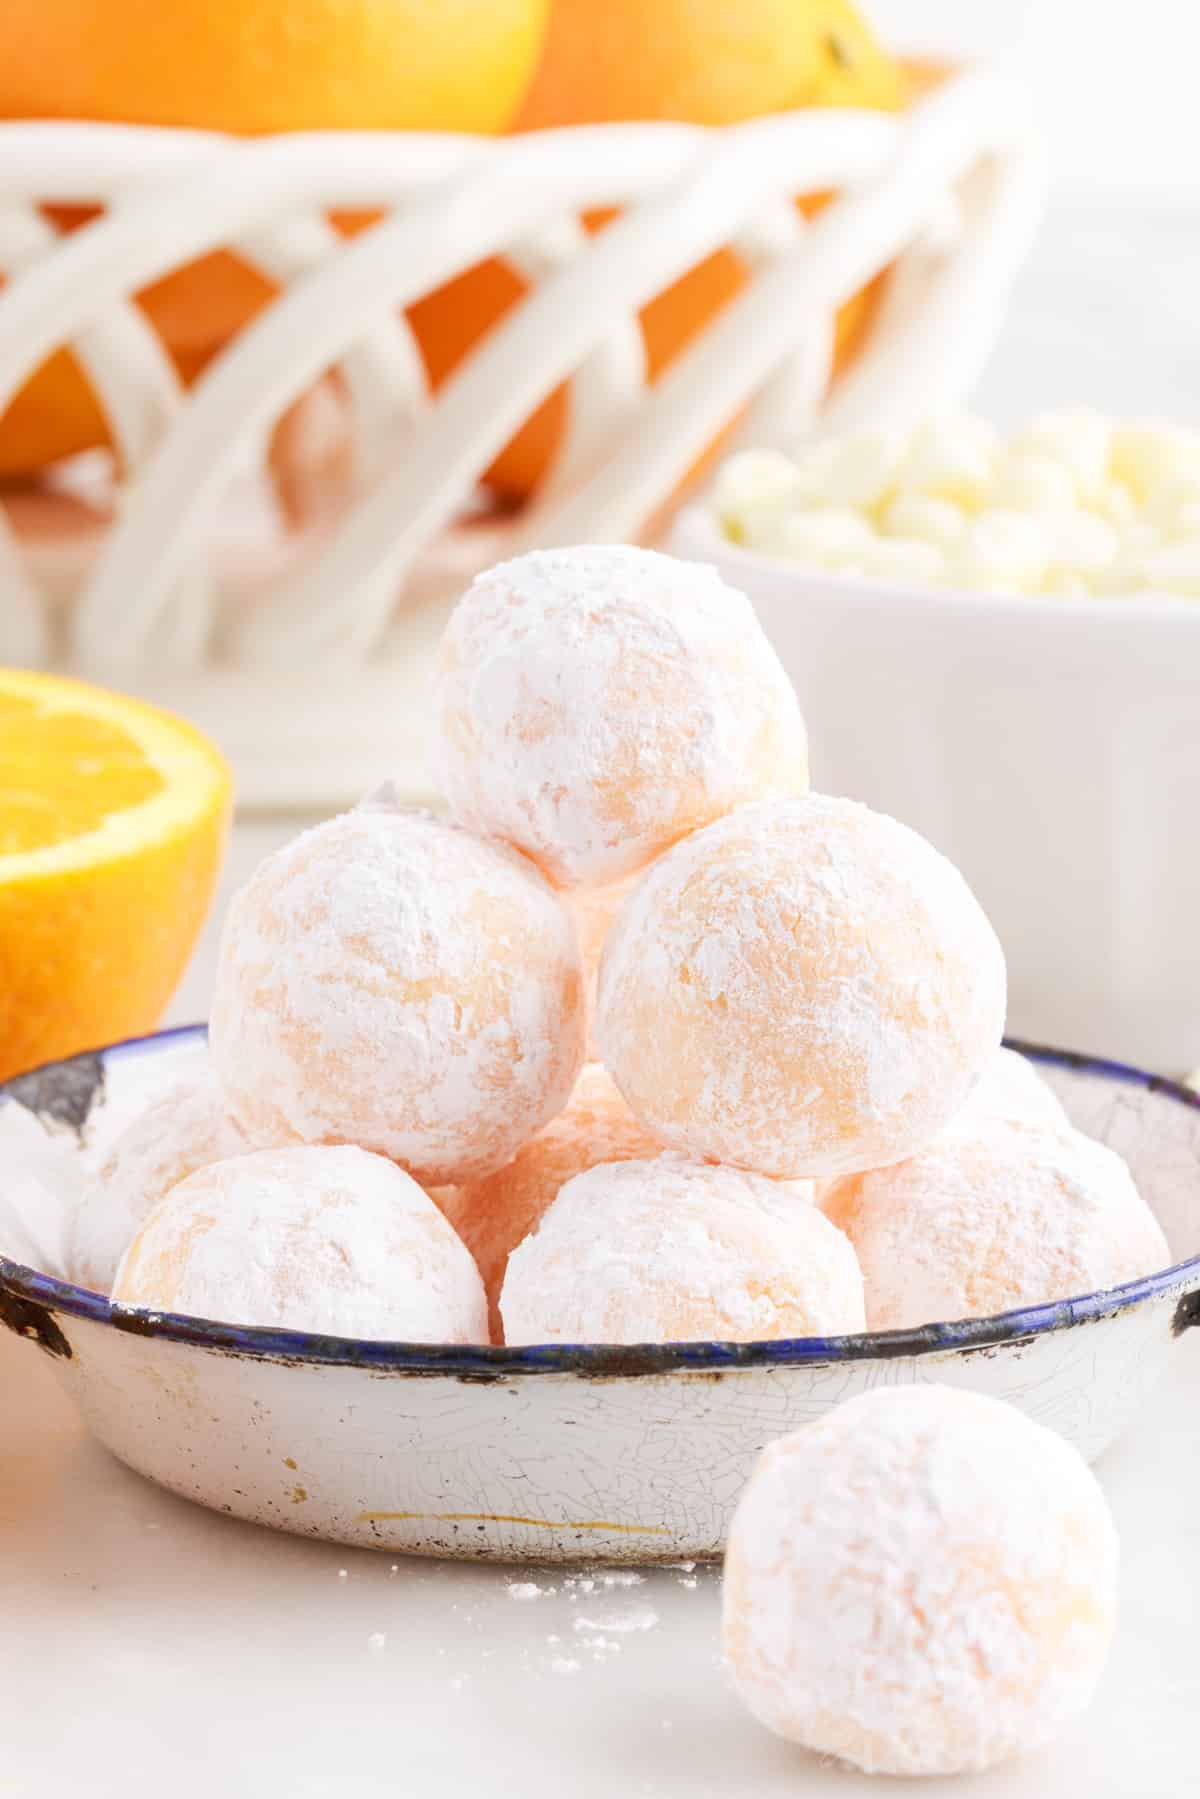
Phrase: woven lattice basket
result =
(300, 637)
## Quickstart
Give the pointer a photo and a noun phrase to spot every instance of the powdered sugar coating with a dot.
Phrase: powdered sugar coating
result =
(978, 1223)
(1010, 1087)
(183, 1128)
(331, 1240)
(595, 704)
(923, 1581)
(494, 1214)
(388, 980)
(673, 1250)
(804, 988)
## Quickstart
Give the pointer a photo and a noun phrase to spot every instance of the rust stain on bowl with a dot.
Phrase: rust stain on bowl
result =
(27, 1318)
(633, 1530)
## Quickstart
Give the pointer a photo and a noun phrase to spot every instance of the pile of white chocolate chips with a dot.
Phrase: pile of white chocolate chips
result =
(1073, 505)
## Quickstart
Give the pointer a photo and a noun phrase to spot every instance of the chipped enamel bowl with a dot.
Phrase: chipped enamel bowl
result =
(625, 1453)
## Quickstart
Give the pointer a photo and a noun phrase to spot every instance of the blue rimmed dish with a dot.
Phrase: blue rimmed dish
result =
(564, 1452)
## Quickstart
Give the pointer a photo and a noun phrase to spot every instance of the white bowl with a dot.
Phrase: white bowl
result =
(627, 1453)
(1050, 747)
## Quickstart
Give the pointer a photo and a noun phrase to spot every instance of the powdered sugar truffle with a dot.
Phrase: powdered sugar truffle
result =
(494, 1214)
(675, 1250)
(388, 980)
(331, 1240)
(184, 1127)
(804, 988)
(978, 1223)
(1010, 1087)
(923, 1581)
(595, 704)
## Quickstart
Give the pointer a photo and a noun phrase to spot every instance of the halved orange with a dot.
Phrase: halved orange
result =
(113, 818)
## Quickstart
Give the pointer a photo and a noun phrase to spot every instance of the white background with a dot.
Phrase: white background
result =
(1117, 81)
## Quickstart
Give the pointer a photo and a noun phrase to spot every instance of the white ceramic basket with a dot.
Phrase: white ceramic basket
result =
(626, 1453)
(304, 649)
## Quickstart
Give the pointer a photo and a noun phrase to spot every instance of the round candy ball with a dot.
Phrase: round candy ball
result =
(388, 980)
(1012, 1215)
(184, 1127)
(330, 1240)
(494, 1214)
(923, 1581)
(596, 704)
(1010, 1087)
(673, 1250)
(804, 988)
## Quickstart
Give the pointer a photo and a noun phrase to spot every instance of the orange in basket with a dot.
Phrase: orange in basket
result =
(112, 823)
(243, 66)
(703, 61)
(699, 60)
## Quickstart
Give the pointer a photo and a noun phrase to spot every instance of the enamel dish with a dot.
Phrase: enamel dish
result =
(630, 1453)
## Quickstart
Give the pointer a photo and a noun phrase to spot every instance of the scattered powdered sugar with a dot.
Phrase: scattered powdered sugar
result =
(308, 1238)
(389, 980)
(670, 1249)
(981, 1221)
(617, 1624)
(526, 1590)
(564, 1664)
(594, 704)
(962, 1616)
(805, 988)
(377, 1642)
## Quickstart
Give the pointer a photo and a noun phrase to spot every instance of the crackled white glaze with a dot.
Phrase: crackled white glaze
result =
(617, 1465)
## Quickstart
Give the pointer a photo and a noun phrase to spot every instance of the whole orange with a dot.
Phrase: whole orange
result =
(243, 66)
(711, 62)
(705, 61)
(272, 65)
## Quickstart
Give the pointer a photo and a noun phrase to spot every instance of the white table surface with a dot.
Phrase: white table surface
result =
(146, 1640)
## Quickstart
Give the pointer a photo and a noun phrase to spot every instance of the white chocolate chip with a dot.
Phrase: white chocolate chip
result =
(1175, 569)
(939, 522)
(1146, 456)
(1004, 550)
(1080, 441)
(864, 469)
(755, 478)
(1081, 541)
(1174, 504)
(951, 459)
(1033, 482)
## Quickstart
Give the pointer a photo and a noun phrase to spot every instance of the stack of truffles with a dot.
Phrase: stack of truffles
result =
(643, 1042)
